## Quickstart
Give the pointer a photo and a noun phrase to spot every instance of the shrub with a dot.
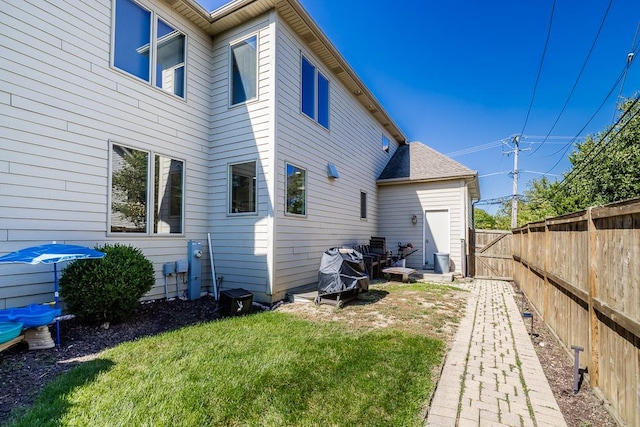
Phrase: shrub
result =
(107, 289)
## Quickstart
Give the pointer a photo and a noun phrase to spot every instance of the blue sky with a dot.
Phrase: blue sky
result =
(460, 75)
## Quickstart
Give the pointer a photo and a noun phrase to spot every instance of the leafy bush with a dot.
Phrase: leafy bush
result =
(107, 289)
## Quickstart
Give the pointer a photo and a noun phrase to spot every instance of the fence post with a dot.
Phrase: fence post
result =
(594, 337)
(472, 252)
(547, 266)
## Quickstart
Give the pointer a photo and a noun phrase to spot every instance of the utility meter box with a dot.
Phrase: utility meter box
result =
(194, 278)
(182, 266)
(235, 302)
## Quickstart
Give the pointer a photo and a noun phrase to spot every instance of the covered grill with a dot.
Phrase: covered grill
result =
(341, 276)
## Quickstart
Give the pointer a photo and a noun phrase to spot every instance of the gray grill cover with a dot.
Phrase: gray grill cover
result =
(341, 270)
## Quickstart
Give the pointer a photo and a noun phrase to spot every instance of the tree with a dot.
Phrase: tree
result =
(482, 220)
(503, 215)
(605, 168)
(130, 187)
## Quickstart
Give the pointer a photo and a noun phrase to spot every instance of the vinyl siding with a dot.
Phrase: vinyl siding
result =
(353, 144)
(399, 202)
(60, 106)
(242, 133)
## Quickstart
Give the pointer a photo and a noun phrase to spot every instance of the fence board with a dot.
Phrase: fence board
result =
(491, 254)
(581, 273)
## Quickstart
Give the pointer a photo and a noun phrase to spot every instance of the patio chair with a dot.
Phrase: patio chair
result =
(371, 261)
(378, 246)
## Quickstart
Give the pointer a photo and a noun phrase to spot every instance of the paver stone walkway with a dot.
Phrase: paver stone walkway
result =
(492, 375)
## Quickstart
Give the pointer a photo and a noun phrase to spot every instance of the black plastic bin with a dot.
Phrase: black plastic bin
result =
(235, 302)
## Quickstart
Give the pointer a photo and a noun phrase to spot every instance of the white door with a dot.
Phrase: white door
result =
(436, 235)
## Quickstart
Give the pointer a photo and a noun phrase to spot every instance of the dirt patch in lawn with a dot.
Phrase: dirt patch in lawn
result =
(420, 308)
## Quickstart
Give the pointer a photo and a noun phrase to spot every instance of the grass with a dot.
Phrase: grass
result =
(268, 369)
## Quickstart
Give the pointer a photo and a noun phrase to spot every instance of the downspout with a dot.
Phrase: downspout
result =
(274, 23)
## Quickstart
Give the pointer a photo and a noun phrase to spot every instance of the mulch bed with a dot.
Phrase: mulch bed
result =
(24, 372)
(583, 409)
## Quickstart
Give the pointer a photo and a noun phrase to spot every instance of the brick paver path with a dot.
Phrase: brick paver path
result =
(492, 376)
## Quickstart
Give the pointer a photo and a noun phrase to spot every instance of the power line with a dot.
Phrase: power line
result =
(497, 200)
(520, 171)
(475, 148)
(540, 173)
(489, 145)
(604, 101)
(553, 137)
(601, 145)
(544, 52)
(575, 84)
(630, 56)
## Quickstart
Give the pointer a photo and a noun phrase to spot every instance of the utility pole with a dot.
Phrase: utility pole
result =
(514, 200)
(514, 196)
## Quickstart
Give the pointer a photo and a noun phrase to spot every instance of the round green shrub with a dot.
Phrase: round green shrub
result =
(107, 289)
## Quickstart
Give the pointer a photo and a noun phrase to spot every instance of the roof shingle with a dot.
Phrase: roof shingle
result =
(417, 162)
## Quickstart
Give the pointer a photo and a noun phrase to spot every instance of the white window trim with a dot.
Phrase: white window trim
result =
(230, 69)
(315, 93)
(229, 192)
(366, 205)
(152, 44)
(386, 149)
(306, 191)
(150, 195)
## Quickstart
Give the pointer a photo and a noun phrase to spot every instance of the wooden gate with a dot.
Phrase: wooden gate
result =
(491, 254)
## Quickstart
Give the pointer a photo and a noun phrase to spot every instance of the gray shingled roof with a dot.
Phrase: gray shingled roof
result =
(417, 162)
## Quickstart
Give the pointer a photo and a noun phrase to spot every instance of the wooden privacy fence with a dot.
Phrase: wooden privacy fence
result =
(490, 254)
(582, 274)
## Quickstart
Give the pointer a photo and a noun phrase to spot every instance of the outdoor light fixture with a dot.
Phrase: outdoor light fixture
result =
(414, 219)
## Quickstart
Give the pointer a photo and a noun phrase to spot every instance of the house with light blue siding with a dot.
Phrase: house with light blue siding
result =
(156, 123)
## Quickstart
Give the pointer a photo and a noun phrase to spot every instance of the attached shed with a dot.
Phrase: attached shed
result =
(425, 198)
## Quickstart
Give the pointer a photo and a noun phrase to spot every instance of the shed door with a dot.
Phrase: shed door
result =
(436, 235)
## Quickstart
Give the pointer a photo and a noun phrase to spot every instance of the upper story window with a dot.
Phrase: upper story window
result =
(385, 143)
(244, 70)
(137, 183)
(147, 47)
(314, 93)
(242, 188)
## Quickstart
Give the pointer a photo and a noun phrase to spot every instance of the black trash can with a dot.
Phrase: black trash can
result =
(235, 302)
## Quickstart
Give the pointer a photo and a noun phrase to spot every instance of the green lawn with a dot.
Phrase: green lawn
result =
(268, 369)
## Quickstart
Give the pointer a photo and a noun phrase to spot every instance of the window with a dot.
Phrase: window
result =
(296, 190)
(132, 176)
(147, 47)
(167, 196)
(385, 143)
(363, 205)
(242, 191)
(244, 70)
(308, 88)
(323, 101)
(314, 93)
